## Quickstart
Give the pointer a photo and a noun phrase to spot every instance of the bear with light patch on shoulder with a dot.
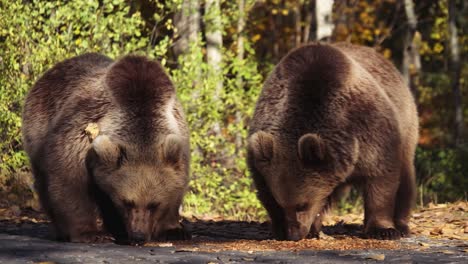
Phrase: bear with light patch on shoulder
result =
(108, 139)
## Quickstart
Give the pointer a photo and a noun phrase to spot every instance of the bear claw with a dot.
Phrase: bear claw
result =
(384, 233)
(179, 233)
(88, 237)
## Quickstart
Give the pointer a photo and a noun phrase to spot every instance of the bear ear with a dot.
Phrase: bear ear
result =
(173, 149)
(261, 145)
(107, 152)
(311, 149)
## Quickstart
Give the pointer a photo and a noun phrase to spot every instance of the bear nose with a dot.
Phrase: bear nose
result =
(294, 235)
(138, 237)
(296, 232)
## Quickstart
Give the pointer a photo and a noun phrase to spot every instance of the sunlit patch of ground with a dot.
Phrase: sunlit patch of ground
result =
(274, 245)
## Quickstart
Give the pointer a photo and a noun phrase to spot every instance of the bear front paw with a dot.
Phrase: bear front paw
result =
(383, 233)
(88, 237)
(279, 232)
(404, 230)
(179, 233)
(313, 234)
(315, 229)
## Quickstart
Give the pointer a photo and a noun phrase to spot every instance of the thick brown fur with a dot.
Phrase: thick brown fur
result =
(133, 174)
(331, 116)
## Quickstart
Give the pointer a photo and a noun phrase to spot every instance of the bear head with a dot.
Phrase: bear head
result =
(301, 177)
(145, 186)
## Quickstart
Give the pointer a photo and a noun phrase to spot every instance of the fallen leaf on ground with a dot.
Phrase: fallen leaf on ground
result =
(447, 252)
(436, 231)
(325, 237)
(376, 256)
(165, 245)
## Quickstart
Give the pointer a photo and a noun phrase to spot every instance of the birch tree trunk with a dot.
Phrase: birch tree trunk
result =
(240, 57)
(323, 9)
(187, 23)
(240, 36)
(455, 68)
(214, 38)
(214, 43)
(297, 24)
(411, 67)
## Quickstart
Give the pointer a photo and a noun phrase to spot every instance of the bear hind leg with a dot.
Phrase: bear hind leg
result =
(405, 199)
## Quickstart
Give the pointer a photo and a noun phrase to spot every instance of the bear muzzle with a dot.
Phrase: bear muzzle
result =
(296, 231)
(139, 226)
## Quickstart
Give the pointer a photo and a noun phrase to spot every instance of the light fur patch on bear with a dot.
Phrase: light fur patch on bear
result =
(172, 123)
(92, 131)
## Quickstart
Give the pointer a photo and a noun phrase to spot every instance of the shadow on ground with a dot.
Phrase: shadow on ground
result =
(226, 229)
(33, 224)
(25, 238)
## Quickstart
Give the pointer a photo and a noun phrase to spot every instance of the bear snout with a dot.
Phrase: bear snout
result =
(138, 237)
(296, 232)
(139, 226)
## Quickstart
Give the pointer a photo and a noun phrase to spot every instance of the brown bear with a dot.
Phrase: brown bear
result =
(331, 116)
(133, 172)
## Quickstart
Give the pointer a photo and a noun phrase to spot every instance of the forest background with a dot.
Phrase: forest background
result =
(218, 53)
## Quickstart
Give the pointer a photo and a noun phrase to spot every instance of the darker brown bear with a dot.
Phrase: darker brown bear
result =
(133, 171)
(330, 116)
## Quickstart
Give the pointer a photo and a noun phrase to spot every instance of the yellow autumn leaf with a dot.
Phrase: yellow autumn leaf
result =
(256, 37)
(387, 53)
(376, 257)
(438, 48)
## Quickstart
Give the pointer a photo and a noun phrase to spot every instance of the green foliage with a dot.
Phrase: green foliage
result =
(441, 174)
(218, 131)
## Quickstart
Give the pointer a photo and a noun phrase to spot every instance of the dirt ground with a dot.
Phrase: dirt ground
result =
(439, 234)
(442, 224)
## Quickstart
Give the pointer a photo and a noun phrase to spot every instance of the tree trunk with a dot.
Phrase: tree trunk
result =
(455, 69)
(323, 9)
(342, 20)
(297, 25)
(214, 43)
(187, 23)
(411, 59)
(214, 39)
(240, 35)
(274, 36)
(310, 29)
(240, 57)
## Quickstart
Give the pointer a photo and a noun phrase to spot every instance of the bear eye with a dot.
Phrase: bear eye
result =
(129, 204)
(152, 206)
(302, 207)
